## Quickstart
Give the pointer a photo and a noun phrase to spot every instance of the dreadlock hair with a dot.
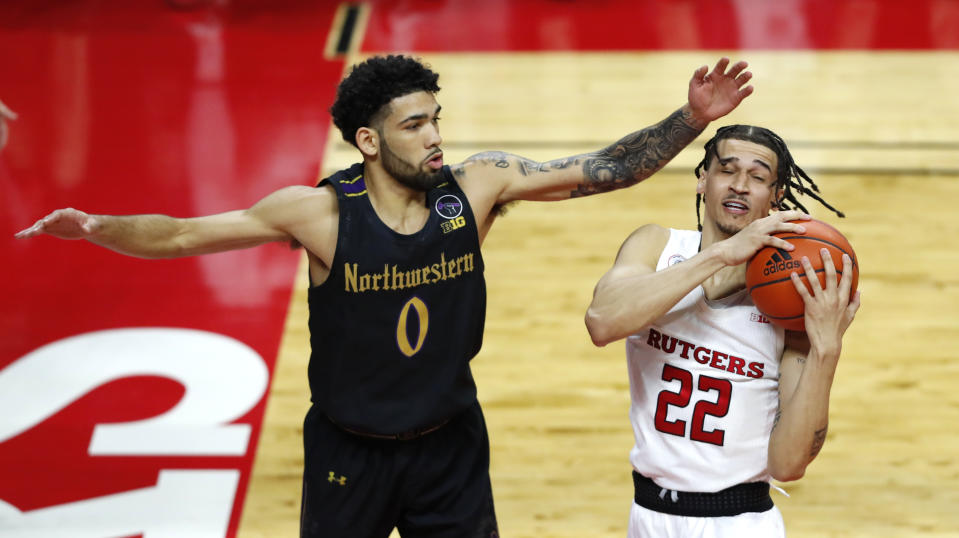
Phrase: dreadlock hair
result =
(790, 176)
(371, 85)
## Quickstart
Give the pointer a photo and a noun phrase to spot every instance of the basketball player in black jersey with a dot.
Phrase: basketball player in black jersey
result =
(395, 436)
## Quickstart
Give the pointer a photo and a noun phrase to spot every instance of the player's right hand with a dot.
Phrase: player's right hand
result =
(758, 234)
(63, 223)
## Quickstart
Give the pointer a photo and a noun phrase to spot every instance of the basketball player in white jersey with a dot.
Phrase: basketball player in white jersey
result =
(722, 400)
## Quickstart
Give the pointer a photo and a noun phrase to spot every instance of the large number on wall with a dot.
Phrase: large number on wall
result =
(223, 378)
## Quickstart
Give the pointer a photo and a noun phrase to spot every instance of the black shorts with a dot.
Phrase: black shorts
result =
(434, 486)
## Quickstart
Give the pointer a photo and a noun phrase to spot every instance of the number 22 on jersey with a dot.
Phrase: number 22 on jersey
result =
(702, 408)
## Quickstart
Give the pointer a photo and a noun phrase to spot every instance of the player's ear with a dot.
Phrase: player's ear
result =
(778, 199)
(701, 182)
(367, 140)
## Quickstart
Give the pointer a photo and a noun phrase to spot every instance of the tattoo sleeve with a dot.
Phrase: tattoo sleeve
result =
(525, 166)
(636, 156)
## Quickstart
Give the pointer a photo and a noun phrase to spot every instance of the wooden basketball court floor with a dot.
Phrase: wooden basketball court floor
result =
(878, 131)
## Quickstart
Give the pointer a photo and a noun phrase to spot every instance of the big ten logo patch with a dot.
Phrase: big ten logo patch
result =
(81, 454)
(454, 224)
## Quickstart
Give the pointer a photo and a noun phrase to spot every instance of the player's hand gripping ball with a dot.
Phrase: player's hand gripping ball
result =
(767, 273)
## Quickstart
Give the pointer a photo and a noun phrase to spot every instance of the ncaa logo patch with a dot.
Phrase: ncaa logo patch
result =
(449, 206)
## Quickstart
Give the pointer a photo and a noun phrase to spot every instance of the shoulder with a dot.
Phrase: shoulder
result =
(644, 245)
(301, 195)
(486, 161)
(297, 202)
(650, 233)
(648, 237)
(482, 169)
(483, 178)
(310, 215)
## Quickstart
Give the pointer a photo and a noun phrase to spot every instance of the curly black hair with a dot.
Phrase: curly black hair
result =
(789, 175)
(372, 84)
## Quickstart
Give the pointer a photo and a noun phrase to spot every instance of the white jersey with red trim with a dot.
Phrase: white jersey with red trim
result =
(704, 383)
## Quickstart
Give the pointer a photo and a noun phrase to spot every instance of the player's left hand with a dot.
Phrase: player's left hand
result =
(829, 310)
(713, 95)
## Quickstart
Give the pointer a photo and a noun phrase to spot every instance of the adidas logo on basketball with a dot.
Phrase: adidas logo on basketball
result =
(780, 261)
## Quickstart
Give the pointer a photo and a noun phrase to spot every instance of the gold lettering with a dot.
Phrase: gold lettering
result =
(351, 278)
(393, 277)
(413, 278)
(398, 279)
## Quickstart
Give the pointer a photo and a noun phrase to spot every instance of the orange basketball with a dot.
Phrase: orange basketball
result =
(767, 273)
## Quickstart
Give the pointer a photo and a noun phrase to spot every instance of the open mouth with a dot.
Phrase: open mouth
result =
(436, 161)
(736, 206)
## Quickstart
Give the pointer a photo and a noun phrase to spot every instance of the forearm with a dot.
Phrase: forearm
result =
(625, 304)
(638, 155)
(802, 420)
(160, 236)
(142, 236)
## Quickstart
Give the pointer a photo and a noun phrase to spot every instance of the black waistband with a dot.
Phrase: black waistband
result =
(732, 501)
(404, 436)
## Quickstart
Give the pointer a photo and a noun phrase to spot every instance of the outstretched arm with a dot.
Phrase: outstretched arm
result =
(161, 236)
(807, 370)
(626, 162)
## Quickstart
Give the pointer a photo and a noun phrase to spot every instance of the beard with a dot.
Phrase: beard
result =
(408, 174)
(728, 230)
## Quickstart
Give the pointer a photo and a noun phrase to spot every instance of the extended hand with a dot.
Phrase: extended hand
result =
(713, 95)
(758, 234)
(63, 223)
(829, 310)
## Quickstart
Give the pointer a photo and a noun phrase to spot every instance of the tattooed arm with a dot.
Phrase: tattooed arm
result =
(807, 369)
(635, 157)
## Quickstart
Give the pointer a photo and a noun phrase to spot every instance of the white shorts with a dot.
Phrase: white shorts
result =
(646, 523)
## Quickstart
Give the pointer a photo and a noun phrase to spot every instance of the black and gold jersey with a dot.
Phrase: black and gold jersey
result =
(395, 324)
